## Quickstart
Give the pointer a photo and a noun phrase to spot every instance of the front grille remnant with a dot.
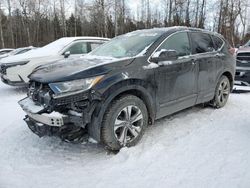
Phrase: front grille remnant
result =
(3, 69)
(40, 93)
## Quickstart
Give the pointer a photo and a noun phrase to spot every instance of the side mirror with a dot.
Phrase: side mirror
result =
(164, 55)
(66, 54)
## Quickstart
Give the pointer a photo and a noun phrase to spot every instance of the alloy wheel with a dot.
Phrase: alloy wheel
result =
(128, 124)
(224, 91)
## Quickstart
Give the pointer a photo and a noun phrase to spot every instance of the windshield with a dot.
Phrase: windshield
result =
(248, 44)
(127, 45)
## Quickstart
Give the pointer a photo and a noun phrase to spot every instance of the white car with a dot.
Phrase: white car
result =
(15, 70)
(17, 51)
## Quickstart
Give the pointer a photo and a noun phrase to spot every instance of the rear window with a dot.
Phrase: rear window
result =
(202, 43)
(217, 42)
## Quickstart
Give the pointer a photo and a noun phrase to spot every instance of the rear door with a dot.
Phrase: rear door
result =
(177, 81)
(204, 54)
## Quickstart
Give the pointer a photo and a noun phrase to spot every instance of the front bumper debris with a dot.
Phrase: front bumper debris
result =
(69, 133)
(34, 111)
(69, 127)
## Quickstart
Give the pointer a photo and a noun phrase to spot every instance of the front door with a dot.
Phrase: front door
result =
(176, 80)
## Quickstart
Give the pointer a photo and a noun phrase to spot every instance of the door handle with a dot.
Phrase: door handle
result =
(219, 55)
(193, 61)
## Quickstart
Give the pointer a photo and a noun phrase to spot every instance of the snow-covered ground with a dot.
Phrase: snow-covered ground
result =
(198, 147)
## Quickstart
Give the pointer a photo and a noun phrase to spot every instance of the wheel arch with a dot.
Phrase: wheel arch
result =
(135, 87)
(230, 77)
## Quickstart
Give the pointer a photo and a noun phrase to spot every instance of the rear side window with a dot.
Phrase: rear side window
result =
(178, 42)
(217, 42)
(4, 52)
(94, 45)
(202, 43)
(78, 48)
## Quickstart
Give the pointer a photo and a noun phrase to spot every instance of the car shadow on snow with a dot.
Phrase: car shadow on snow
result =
(88, 147)
(6, 91)
(239, 91)
(53, 144)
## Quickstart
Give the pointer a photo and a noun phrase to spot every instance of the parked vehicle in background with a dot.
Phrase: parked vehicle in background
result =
(243, 65)
(118, 89)
(5, 51)
(17, 51)
(16, 69)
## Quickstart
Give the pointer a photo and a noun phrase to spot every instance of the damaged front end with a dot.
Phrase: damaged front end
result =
(65, 117)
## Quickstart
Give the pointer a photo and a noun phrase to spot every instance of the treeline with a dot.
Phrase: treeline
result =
(38, 22)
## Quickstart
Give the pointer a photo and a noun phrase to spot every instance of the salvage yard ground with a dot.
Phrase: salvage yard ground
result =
(198, 147)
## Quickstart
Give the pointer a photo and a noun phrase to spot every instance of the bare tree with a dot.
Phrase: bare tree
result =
(37, 22)
(1, 28)
(63, 17)
(10, 24)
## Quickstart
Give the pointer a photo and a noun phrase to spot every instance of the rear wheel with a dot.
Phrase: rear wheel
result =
(124, 122)
(222, 92)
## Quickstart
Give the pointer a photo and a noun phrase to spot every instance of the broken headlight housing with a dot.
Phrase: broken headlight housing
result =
(75, 86)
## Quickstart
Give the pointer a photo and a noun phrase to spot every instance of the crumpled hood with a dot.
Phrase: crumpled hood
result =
(77, 68)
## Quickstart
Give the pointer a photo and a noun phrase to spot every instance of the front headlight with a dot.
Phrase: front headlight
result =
(62, 88)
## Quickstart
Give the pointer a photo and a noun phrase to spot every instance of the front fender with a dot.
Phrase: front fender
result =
(140, 88)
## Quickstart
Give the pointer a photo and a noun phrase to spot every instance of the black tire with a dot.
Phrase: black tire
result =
(222, 92)
(118, 111)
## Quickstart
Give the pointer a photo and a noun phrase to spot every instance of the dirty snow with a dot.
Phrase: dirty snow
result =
(198, 147)
(151, 66)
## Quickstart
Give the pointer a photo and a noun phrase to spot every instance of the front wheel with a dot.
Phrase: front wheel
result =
(124, 122)
(222, 92)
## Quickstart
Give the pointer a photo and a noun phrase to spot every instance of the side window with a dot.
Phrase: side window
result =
(217, 42)
(202, 43)
(78, 48)
(4, 52)
(94, 45)
(178, 42)
(22, 51)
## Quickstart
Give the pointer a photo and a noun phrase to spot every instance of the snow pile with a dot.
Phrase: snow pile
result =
(198, 147)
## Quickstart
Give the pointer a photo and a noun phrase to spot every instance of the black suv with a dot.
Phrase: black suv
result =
(118, 89)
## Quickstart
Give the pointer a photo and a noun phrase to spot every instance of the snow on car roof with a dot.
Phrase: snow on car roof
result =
(4, 49)
(52, 48)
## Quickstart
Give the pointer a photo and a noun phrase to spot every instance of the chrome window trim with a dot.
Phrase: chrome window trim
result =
(148, 60)
(191, 55)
